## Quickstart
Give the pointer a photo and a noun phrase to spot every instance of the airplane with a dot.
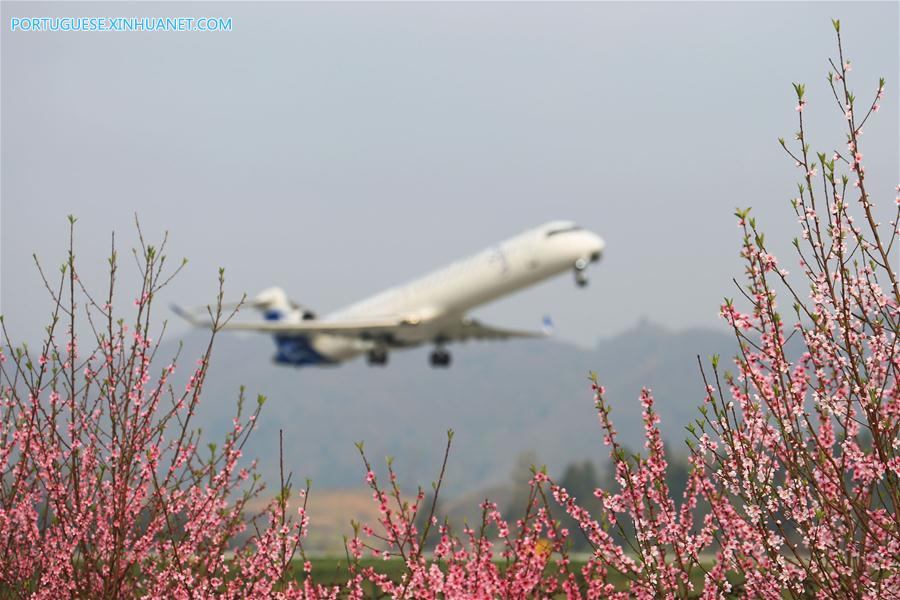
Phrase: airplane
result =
(429, 310)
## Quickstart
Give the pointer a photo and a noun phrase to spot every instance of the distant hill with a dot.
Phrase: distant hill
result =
(500, 398)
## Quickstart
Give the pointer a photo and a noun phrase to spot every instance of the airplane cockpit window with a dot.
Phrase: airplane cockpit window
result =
(565, 229)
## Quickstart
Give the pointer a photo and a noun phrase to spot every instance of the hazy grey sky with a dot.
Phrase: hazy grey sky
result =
(337, 149)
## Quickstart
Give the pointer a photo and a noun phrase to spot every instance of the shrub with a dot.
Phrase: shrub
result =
(105, 493)
(795, 458)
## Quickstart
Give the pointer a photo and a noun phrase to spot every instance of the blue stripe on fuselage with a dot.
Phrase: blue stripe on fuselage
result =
(297, 350)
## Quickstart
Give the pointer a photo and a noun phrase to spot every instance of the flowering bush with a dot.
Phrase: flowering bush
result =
(795, 459)
(104, 490)
(793, 488)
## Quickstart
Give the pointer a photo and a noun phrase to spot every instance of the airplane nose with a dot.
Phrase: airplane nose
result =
(597, 247)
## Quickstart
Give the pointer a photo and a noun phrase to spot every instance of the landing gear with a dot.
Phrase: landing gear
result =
(439, 358)
(581, 278)
(377, 357)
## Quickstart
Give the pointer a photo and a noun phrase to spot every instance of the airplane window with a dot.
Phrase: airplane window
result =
(563, 230)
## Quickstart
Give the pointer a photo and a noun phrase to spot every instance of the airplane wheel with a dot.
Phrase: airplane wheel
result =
(581, 278)
(440, 358)
(377, 358)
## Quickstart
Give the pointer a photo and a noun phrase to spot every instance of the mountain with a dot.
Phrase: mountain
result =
(500, 399)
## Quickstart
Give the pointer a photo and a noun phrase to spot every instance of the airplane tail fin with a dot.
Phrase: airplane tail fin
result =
(275, 305)
(272, 302)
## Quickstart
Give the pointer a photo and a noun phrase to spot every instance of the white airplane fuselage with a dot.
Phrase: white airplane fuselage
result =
(442, 298)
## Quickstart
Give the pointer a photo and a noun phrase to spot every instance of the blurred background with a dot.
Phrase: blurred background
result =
(338, 149)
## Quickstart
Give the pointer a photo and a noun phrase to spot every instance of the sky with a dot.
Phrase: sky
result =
(338, 149)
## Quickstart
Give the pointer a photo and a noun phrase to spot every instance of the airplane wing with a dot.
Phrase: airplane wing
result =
(470, 329)
(361, 328)
(458, 331)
